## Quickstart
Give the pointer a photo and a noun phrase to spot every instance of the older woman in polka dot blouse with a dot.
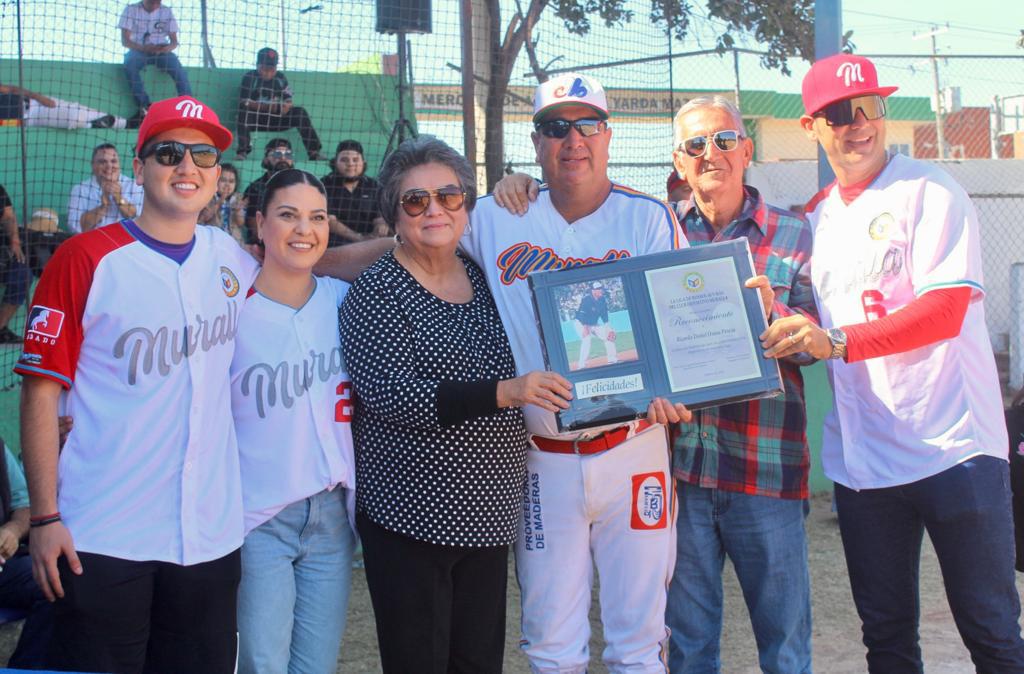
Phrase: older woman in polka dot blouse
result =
(440, 440)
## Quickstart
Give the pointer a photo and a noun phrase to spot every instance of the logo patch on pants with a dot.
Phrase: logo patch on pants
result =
(649, 497)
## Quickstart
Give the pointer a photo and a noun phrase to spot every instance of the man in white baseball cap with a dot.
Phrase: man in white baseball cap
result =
(602, 497)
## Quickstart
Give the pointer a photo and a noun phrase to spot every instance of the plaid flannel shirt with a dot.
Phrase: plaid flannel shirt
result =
(757, 447)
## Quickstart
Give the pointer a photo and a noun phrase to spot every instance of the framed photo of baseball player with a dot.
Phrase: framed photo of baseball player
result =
(679, 325)
(596, 325)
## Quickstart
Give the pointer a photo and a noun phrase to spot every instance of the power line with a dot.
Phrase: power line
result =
(958, 26)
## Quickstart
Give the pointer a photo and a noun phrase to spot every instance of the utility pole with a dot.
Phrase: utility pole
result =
(940, 125)
(828, 40)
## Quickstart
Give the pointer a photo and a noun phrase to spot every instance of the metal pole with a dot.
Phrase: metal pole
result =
(401, 86)
(26, 244)
(468, 84)
(671, 77)
(940, 127)
(736, 74)
(828, 40)
(208, 61)
(284, 48)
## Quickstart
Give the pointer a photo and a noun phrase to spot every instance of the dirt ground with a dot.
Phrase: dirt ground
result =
(837, 647)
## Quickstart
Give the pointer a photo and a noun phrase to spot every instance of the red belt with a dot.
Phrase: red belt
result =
(602, 442)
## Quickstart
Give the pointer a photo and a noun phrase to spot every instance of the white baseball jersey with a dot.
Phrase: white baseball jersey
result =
(904, 417)
(614, 509)
(291, 399)
(508, 248)
(143, 345)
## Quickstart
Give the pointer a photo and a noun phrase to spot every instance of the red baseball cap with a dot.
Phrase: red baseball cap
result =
(837, 77)
(674, 181)
(183, 112)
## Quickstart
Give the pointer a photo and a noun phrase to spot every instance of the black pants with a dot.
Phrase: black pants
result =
(296, 118)
(438, 608)
(126, 616)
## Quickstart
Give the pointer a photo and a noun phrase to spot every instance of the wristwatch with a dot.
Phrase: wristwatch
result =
(838, 339)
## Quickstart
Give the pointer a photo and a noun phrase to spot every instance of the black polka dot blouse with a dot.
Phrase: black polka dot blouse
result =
(436, 460)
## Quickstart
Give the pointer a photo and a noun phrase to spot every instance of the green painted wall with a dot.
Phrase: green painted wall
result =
(342, 105)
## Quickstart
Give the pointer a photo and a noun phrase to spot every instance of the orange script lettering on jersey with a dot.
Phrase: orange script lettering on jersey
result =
(523, 258)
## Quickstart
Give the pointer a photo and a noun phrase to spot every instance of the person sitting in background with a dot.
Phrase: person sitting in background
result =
(150, 33)
(108, 196)
(227, 209)
(14, 272)
(35, 109)
(18, 590)
(677, 188)
(277, 156)
(265, 104)
(352, 197)
(40, 237)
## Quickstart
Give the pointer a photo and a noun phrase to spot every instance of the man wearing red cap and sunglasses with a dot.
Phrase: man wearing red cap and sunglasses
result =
(916, 440)
(137, 522)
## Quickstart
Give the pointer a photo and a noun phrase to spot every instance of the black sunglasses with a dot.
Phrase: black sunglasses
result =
(726, 141)
(172, 153)
(842, 113)
(415, 202)
(559, 128)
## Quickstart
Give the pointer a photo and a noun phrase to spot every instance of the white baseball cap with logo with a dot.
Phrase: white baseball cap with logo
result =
(569, 89)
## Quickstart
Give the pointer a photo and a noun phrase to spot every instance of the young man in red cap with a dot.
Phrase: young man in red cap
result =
(137, 522)
(916, 440)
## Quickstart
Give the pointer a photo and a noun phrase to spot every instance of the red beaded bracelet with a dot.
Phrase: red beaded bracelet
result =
(43, 520)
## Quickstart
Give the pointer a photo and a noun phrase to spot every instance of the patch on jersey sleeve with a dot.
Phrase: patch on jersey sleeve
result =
(649, 502)
(44, 324)
(229, 282)
(30, 359)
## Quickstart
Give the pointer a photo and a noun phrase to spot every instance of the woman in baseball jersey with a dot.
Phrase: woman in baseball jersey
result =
(291, 401)
(441, 445)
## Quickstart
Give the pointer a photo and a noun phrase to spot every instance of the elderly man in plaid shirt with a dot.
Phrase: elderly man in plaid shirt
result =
(742, 469)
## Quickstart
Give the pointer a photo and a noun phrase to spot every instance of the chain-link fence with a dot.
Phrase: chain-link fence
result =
(442, 76)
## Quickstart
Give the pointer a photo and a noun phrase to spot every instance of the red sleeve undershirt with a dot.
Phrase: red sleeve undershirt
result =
(930, 318)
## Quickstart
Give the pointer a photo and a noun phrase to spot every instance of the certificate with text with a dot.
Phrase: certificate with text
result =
(702, 325)
(679, 325)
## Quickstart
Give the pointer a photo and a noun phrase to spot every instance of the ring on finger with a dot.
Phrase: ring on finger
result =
(792, 338)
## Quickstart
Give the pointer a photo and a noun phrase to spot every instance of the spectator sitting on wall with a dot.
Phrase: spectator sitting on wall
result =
(678, 188)
(227, 208)
(265, 104)
(106, 197)
(35, 109)
(352, 197)
(277, 156)
(150, 33)
(14, 272)
(40, 238)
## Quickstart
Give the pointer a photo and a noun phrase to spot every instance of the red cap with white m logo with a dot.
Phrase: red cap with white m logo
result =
(180, 113)
(837, 77)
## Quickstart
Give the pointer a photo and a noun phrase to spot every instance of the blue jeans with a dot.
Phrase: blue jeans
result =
(296, 573)
(135, 61)
(18, 590)
(765, 539)
(966, 511)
